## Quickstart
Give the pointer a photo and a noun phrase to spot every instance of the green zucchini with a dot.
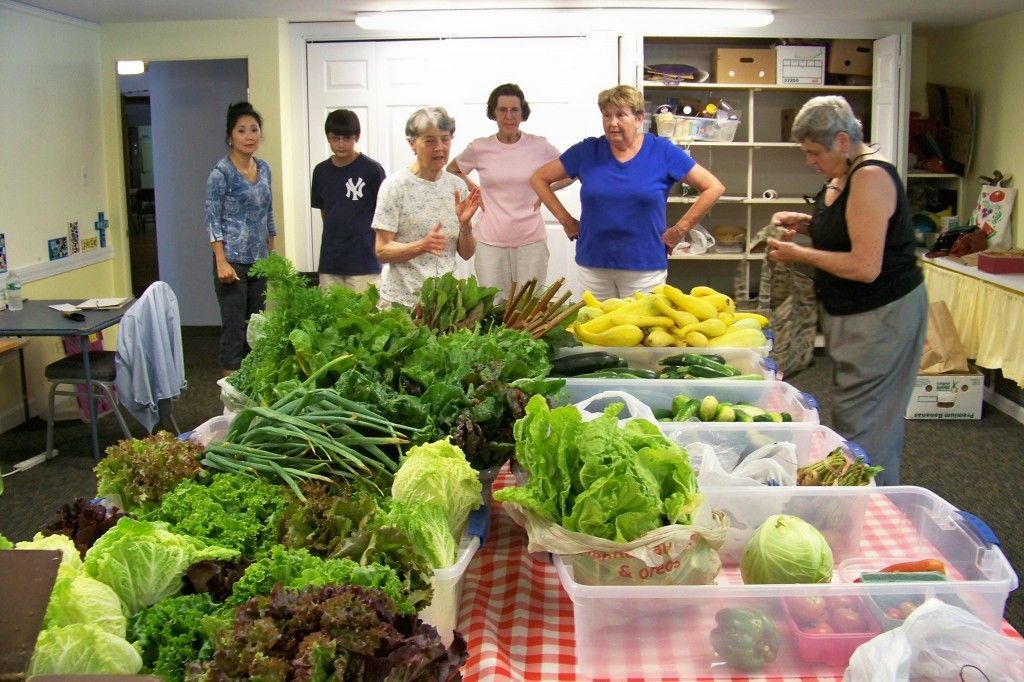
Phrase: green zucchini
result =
(583, 363)
(708, 360)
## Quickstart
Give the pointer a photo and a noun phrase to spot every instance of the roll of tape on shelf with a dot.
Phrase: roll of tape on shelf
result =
(770, 194)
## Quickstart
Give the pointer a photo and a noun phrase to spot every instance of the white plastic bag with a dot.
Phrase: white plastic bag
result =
(212, 430)
(697, 241)
(940, 643)
(233, 400)
(635, 408)
(772, 464)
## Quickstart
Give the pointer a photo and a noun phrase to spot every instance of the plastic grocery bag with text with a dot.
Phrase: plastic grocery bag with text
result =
(670, 555)
(938, 642)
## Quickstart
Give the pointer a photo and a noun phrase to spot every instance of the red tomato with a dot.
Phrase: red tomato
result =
(847, 601)
(846, 619)
(819, 628)
(894, 613)
(807, 609)
(997, 196)
(907, 607)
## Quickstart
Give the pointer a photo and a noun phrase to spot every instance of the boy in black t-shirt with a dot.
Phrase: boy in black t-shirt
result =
(344, 188)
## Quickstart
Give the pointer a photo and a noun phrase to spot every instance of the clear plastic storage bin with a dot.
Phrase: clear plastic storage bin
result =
(775, 396)
(663, 631)
(746, 360)
(733, 441)
(443, 611)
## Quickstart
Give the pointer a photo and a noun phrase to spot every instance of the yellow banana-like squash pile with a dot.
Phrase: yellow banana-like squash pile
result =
(667, 316)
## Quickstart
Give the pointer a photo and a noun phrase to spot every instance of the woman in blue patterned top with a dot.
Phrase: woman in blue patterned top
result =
(240, 220)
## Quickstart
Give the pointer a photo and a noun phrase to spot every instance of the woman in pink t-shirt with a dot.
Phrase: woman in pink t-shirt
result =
(510, 235)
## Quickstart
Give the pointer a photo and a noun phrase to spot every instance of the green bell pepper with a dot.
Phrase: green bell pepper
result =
(746, 638)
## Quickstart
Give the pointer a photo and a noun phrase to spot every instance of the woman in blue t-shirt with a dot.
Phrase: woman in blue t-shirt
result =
(240, 222)
(625, 177)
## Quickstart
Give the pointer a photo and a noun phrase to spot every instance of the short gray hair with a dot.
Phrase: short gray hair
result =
(426, 118)
(822, 118)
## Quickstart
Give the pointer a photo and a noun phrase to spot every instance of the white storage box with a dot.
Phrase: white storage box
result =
(746, 360)
(800, 64)
(663, 631)
(443, 611)
(775, 396)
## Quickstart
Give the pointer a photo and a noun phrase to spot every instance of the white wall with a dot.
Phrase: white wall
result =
(188, 104)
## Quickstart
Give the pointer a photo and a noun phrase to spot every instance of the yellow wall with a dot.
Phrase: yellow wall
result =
(263, 42)
(987, 57)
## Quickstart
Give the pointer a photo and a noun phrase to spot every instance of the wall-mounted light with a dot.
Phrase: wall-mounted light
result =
(546, 21)
(130, 67)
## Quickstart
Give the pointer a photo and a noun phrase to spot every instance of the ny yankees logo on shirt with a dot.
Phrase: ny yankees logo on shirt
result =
(354, 191)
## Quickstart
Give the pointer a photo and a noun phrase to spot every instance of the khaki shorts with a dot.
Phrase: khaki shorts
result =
(354, 282)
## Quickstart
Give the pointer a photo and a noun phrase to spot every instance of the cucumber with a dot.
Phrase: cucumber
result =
(638, 372)
(582, 363)
(705, 372)
(619, 373)
(725, 413)
(688, 412)
(708, 408)
(681, 402)
(708, 360)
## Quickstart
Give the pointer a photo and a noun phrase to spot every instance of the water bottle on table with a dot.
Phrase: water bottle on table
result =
(13, 288)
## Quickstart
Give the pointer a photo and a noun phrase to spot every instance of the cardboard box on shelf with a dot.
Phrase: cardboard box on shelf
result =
(800, 64)
(947, 396)
(852, 57)
(743, 65)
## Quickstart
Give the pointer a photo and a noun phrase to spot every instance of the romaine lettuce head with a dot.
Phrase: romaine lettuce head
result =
(83, 649)
(143, 562)
(438, 472)
(546, 449)
(426, 524)
(77, 598)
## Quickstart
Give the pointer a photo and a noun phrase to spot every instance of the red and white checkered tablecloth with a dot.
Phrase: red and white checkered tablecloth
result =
(518, 621)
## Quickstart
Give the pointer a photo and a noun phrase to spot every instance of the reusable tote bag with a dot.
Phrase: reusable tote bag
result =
(992, 215)
(789, 295)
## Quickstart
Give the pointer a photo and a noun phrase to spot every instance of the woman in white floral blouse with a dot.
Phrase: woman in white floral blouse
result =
(424, 213)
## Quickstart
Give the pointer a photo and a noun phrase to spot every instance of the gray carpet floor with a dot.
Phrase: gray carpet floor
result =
(973, 464)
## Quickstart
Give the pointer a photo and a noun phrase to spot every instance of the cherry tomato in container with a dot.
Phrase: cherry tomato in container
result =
(807, 609)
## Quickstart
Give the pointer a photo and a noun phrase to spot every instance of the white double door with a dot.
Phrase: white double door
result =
(384, 82)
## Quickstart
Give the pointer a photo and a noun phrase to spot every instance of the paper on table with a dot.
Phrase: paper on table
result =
(65, 308)
(102, 303)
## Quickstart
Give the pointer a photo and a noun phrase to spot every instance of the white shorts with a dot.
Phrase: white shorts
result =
(499, 266)
(607, 283)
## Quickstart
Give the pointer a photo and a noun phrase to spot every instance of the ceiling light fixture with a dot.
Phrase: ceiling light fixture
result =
(130, 67)
(518, 21)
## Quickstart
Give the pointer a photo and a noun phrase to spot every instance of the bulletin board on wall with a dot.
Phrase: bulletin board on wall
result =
(53, 191)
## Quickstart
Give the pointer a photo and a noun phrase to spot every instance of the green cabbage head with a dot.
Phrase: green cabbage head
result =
(786, 549)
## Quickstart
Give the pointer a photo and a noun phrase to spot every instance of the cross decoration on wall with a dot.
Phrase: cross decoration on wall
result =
(101, 226)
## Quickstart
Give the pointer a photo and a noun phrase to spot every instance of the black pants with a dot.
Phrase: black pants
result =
(238, 301)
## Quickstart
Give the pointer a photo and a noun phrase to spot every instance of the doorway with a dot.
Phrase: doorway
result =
(138, 177)
(177, 112)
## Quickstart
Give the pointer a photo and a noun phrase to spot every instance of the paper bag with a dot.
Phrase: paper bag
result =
(943, 352)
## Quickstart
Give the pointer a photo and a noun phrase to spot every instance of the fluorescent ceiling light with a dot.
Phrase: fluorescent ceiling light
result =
(549, 20)
(130, 67)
